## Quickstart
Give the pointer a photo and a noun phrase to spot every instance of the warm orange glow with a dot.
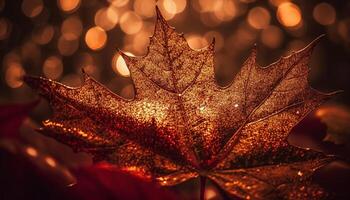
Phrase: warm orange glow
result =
(225, 10)
(32, 8)
(119, 3)
(289, 14)
(53, 67)
(67, 47)
(145, 8)
(208, 5)
(130, 22)
(169, 6)
(259, 17)
(119, 66)
(277, 2)
(68, 5)
(106, 18)
(31, 152)
(72, 28)
(96, 38)
(5, 29)
(209, 19)
(324, 14)
(180, 5)
(272, 36)
(136, 171)
(210, 193)
(43, 35)
(140, 42)
(50, 161)
(14, 74)
(10, 58)
(196, 41)
(243, 37)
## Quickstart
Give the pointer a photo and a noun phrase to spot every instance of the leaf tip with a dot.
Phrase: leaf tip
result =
(160, 16)
(86, 76)
(32, 81)
(309, 48)
(125, 56)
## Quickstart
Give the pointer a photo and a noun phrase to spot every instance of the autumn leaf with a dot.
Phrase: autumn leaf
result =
(182, 125)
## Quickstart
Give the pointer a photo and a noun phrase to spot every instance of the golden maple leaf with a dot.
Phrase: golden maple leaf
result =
(181, 124)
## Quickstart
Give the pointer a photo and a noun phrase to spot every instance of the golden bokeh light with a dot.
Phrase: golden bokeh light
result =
(53, 67)
(5, 28)
(272, 37)
(43, 34)
(140, 42)
(68, 5)
(130, 22)
(32, 8)
(173, 7)
(14, 74)
(167, 8)
(119, 66)
(180, 5)
(95, 38)
(145, 8)
(50, 161)
(31, 151)
(225, 10)
(71, 28)
(67, 47)
(107, 18)
(211, 193)
(324, 14)
(289, 14)
(259, 17)
(118, 3)
(196, 41)
(11, 57)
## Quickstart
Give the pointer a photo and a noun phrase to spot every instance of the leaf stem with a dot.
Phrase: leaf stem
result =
(203, 180)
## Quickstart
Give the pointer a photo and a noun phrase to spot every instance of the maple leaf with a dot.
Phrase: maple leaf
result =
(182, 125)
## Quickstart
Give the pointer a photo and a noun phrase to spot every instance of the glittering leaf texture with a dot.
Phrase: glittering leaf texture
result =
(181, 124)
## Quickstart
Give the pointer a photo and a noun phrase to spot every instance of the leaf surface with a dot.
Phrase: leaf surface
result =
(181, 124)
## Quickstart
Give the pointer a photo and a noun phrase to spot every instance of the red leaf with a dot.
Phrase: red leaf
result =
(104, 181)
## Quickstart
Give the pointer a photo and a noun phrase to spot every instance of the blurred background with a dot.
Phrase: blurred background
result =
(58, 38)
